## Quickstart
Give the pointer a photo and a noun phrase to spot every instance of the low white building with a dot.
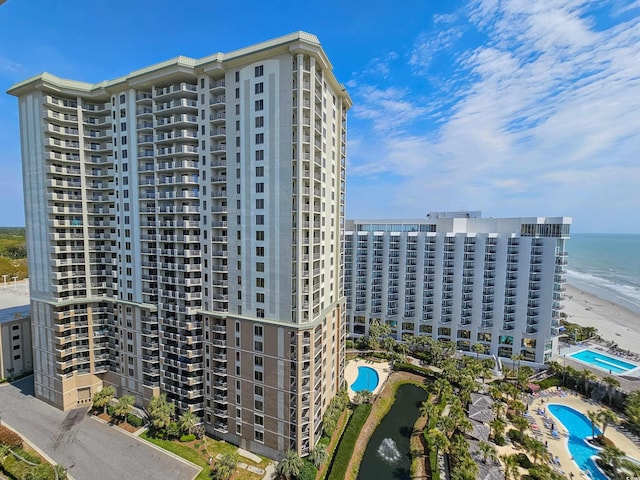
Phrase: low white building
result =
(456, 276)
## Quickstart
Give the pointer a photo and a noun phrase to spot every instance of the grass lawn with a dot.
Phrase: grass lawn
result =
(199, 451)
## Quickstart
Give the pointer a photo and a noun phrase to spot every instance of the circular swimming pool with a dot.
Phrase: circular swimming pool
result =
(367, 380)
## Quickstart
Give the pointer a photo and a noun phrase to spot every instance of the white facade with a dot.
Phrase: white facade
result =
(177, 211)
(497, 282)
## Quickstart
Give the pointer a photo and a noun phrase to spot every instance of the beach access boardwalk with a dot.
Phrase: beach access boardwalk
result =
(87, 448)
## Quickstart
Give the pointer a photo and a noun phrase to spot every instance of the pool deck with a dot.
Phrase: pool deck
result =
(559, 447)
(351, 373)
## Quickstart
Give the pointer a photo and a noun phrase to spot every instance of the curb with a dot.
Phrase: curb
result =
(33, 446)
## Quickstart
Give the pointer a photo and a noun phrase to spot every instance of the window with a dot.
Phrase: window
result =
(259, 266)
(259, 88)
(259, 155)
(258, 391)
(257, 376)
(259, 436)
(122, 99)
(259, 105)
(258, 330)
(258, 361)
(260, 235)
(257, 344)
(259, 121)
(260, 314)
(259, 138)
(237, 76)
(259, 171)
(237, 93)
(259, 203)
(258, 420)
(259, 70)
(259, 187)
(260, 282)
(123, 126)
(260, 297)
(259, 219)
(259, 251)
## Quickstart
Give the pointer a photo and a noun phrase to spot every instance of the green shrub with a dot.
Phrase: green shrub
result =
(309, 471)
(550, 382)
(3, 380)
(523, 460)
(515, 436)
(409, 367)
(499, 440)
(110, 410)
(344, 451)
(10, 438)
(16, 468)
(134, 420)
(187, 438)
(349, 344)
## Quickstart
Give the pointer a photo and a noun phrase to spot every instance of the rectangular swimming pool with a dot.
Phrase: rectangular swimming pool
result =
(603, 361)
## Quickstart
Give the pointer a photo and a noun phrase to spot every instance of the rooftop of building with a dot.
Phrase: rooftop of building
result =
(14, 300)
(179, 66)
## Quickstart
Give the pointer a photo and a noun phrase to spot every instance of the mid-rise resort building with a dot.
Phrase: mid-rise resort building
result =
(459, 277)
(184, 228)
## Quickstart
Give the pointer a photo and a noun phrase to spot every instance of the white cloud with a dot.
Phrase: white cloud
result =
(543, 117)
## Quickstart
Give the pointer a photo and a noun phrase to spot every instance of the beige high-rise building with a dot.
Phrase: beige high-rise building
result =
(184, 227)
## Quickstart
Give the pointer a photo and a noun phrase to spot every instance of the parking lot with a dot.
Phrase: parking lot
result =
(88, 448)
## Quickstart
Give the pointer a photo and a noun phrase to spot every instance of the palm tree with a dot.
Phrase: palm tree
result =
(537, 449)
(607, 417)
(632, 407)
(225, 467)
(611, 384)
(160, 411)
(510, 466)
(102, 398)
(593, 417)
(428, 410)
(478, 348)
(488, 451)
(290, 466)
(611, 456)
(319, 455)
(188, 420)
(123, 407)
(516, 359)
(437, 440)
(497, 426)
(586, 376)
(520, 423)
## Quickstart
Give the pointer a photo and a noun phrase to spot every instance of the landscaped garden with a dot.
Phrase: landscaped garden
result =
(18, 461)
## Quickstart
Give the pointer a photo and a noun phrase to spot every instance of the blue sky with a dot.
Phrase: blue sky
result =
(512, 107)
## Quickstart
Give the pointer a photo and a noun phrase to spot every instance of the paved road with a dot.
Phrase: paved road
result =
(88, 448)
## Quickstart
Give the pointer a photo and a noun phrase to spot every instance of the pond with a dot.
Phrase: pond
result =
(388, 454)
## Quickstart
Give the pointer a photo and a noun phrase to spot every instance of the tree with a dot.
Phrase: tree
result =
(478, 348)
(160, 411)
(224, 468)
(611, 383)
(520, 423)
(319, 455)
(632, 407)
(497, 426)
(611, 456)
(487, 450)
(102, 398)
(188, 420)
(377, 330)
(124, 406)
(290, 466)
(429, 410)
(437, 440)
(536, 448)
(363, 396)
(510, 466)
(606, 417)
(586, 376)
(593, 417)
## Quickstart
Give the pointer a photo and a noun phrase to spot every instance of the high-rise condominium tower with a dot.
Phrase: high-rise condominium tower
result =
(497, 282)
(184, 228)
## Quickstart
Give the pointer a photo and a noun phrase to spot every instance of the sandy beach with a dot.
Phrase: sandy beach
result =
(614, 323)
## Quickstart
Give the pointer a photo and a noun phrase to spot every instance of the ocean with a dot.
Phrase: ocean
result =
(606, 265)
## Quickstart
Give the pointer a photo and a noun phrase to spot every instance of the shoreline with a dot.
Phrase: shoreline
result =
(614, 322)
